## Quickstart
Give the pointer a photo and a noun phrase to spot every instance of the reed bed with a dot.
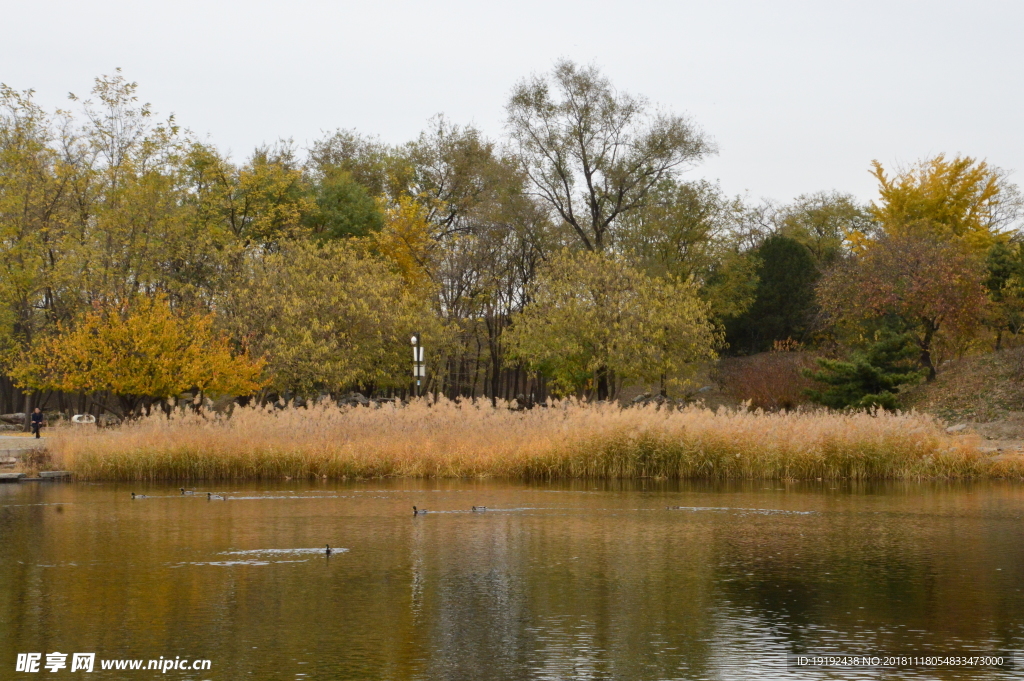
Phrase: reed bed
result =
(564, 440)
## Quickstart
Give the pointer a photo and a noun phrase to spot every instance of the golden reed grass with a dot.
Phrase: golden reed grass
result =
(566, 440)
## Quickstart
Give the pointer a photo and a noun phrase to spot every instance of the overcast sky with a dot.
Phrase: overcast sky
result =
(800, 96)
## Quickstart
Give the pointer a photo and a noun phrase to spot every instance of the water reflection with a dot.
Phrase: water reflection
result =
(574, 581)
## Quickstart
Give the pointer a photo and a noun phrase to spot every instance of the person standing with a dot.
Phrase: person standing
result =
(37, 421)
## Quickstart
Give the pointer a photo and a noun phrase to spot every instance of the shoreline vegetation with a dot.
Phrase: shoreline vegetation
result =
(565, 440)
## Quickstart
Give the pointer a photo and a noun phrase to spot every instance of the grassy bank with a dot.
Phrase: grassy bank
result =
(567, 440)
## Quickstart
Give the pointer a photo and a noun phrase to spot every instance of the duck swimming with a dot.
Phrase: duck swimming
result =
(416, 511)
(479, 509)
(187, 492)
(328, 552)
(139, 496)
(210, 496)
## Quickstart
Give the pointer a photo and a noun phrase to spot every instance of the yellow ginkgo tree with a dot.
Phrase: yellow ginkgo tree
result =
(138, 353)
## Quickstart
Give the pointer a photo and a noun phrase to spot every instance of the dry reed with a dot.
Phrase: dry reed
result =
(564, 440)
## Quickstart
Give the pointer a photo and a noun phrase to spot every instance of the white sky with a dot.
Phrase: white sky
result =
(800, 96)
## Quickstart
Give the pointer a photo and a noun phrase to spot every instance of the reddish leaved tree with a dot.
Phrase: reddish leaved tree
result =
(930, 285)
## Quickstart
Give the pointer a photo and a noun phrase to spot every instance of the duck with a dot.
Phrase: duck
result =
(417, 511)
(210, 496)
(139, 496)
(328, 552)
(479, 509)
(187, 492)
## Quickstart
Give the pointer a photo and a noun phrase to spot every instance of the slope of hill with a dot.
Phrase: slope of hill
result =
(985, 392)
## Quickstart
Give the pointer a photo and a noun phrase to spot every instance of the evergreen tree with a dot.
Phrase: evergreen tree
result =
(783, 300)
(870, 378)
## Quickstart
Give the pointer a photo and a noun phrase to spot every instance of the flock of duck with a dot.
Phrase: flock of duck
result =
(210, 496)
(423, 511)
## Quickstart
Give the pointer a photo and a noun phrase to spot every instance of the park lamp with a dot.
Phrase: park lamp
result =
(418, 370)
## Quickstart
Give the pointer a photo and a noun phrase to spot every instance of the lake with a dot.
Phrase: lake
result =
(569, 580)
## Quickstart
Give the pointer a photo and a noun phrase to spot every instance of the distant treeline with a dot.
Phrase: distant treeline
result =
(572, 256)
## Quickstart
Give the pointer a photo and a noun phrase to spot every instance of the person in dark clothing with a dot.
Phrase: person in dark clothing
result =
(37, 421)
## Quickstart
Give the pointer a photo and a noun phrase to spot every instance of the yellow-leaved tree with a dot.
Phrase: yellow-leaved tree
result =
(408, 239)
(961, 198)
(138, 353)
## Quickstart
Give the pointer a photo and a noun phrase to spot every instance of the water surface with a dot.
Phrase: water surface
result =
(561, 581)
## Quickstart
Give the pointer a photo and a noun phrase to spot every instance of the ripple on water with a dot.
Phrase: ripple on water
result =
(760, 511)
(257, 552)
(260, 557)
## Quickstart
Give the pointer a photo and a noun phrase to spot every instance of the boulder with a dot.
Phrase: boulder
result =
(108, 420)
(957, 428)
(13, 419)
(353, 399)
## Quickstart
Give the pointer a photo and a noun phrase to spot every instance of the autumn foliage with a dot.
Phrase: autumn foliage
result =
(137, 352)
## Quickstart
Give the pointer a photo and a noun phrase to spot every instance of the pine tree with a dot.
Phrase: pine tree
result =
(870, 378)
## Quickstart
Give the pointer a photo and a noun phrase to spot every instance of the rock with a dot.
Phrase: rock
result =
(54, 475)
(107, 420)
(13, 419)
(957, 428)
(354, 399)
(9, 427)
(11, 477)
(647, 398)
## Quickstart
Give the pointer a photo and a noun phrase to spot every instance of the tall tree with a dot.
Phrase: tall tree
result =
(593, 154)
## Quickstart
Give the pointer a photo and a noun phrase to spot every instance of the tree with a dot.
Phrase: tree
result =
(1004, 266)
(592, 154)
(783, 298)
(343, 207)
(381, 169)
(822, 222)
(594, 320)
(139, 354)
(267, 198)
(930, 285)
(682, 230)
(962, 198)
(328, 317)
(32, 194)
(409, 241)
(870, 378)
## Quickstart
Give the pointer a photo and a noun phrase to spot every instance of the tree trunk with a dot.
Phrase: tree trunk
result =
(602, 383)
(926, 350)
(30, 401)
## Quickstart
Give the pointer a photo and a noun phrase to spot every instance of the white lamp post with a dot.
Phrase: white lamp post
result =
(418, 368)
